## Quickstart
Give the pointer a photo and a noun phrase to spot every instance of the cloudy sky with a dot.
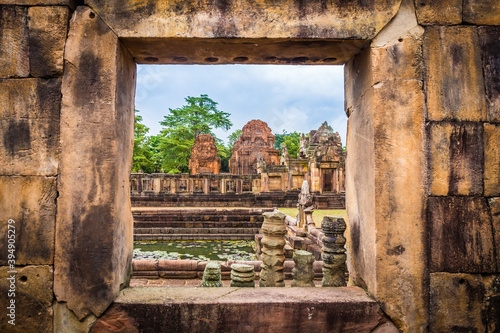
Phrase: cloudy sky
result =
(294, 98)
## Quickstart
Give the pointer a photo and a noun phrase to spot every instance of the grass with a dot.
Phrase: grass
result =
(317, 214)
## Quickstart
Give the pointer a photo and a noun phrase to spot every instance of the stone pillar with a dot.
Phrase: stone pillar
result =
(273, 253)
(386, 177)
(264, 182)
(239, 186)
(94, 221)
(222, 189)
(303, 274)
(173, 185)
(333, 251)
(156, 184)
(206, 185)
(212, 275)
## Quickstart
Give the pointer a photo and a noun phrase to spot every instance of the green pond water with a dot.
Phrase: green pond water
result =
(196, 250)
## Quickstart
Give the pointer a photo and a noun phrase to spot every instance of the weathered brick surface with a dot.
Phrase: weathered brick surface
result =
(443, 12)
(454, 75)
(481, 12)
(31, 203)
(455, 158)
(491, 159)
(29, 123)
(33, 299)
(461, 236)
(14, 43)
(490, 48)
(48, 28)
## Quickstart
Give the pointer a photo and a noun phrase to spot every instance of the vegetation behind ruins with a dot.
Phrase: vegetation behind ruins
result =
(170, 150)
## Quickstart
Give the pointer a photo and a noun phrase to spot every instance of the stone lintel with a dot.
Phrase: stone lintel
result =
(209, 51)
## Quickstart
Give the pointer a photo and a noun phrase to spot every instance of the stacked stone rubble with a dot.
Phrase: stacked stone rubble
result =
(273, 253)
(242, 275)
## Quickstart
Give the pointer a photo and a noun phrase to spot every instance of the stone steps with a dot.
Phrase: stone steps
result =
(142, 231)
(206, 225)
(199, 222)
(176, 237)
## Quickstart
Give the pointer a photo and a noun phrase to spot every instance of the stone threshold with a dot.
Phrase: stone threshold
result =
(156, 309)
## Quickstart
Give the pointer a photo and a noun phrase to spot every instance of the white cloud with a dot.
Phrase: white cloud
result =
(295, 98)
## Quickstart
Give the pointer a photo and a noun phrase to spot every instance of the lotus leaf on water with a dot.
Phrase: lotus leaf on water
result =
(196, 250)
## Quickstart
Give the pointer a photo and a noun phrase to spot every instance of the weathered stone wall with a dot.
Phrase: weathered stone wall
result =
(32, 40)
(423, 179)
(462, 71)
(423, 166)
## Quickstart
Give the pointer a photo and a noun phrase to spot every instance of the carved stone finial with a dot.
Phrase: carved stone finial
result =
(212, 275)
(273, 252)
(333, 254)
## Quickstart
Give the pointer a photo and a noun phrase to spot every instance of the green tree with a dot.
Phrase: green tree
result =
(142, 154)
(233, 137)
(291, 140)
(182, 125)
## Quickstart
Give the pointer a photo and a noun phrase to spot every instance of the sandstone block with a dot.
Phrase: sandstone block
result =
(454, 75)
(463, 302)
(400, 59)
(48, 28)
(491, 159)
(65, 321)
(243, 19)
(387, 160)
(490, 48)
(29, 122)
(69, 3)
(399, 201)
(444, 12)
(461, 237)
(482, 12)
(115, 317)
(455, 158)
(31, 203)
(495, 215)
(14, 43)
(94, 229)
(33, 299)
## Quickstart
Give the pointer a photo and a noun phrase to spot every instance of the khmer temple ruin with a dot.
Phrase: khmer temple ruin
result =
(204, 157)
(270, 180)
(422, 175)
(254, 147)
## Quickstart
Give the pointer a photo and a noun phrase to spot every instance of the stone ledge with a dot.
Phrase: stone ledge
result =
(176, 309)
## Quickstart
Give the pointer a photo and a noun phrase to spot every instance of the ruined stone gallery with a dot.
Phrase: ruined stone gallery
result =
(422, 171)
